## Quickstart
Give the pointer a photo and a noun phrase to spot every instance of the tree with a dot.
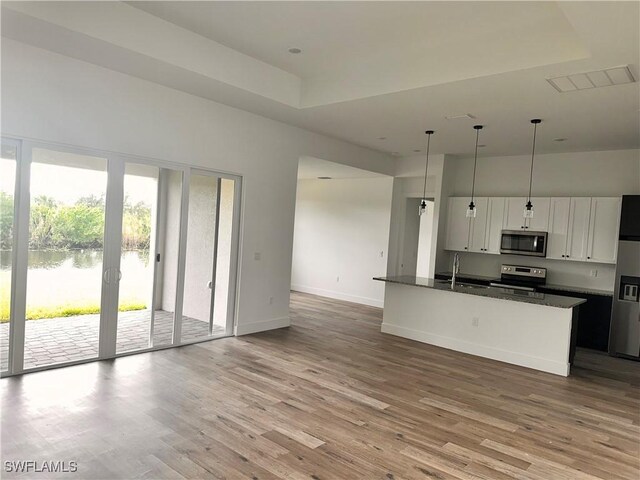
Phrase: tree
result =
(6, 221)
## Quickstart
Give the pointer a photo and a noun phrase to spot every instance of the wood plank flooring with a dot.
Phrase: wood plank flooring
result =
(329, 398)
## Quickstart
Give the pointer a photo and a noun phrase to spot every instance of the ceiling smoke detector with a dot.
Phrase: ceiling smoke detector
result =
(466, 116)
(599, 78)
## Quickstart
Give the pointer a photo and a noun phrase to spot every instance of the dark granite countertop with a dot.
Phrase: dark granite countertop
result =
(586, 290)
(535, 298)
(549, 286)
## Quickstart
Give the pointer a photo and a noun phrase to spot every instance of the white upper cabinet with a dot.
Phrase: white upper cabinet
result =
(579, 228)
(604, 226)
(558, 227)
(479, 225)
(514, 213)
(579, 212)
(495, 219)
(458, 224)
(540, 220)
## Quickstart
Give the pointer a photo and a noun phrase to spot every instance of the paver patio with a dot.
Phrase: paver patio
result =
(67, 339)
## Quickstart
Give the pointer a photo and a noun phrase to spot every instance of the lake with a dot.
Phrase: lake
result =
(58, 277)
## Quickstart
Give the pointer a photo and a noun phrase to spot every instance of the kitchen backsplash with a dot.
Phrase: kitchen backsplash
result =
(559, 272)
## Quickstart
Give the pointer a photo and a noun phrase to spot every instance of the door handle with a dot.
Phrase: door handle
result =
(106, 276)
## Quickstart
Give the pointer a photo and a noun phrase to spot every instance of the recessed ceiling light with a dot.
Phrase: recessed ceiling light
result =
(382, 138)
(559, 139)
(295, 51)
(324, 178)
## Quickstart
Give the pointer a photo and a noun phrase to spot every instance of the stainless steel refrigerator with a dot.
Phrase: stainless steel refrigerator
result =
(624, 338)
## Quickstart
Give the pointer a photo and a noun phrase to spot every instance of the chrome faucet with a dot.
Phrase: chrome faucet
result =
(456, 270)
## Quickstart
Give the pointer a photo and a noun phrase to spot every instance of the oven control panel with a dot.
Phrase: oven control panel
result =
(522, 271)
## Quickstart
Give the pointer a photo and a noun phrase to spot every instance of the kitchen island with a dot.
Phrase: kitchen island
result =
(530, 329)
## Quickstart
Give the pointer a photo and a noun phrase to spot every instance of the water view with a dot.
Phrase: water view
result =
(64, 282)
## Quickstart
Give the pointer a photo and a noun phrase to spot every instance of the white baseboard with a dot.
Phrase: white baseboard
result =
(558, 368)
(372, 302)
(255, 327)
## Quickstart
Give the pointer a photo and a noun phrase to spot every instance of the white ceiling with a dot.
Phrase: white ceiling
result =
(376, 69)
(358, 49)
(312, 168)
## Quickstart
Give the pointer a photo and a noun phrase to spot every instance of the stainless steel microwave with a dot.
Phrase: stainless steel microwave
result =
(522, 242)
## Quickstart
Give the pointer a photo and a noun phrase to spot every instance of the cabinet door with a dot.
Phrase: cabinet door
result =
(540, 220)
(514, 213)
(495, 219)
(579, 212)
(558, 227)
(479, 225)
(457, 224)
(603, 229)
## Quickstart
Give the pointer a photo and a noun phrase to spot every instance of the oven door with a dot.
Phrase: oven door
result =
(517, 242)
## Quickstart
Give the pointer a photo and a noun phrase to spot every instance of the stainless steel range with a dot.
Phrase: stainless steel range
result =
(519, 277)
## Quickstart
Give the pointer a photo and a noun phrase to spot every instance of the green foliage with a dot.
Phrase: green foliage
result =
(64, 310)
(57, 226)
(136, 226)
(6, 221)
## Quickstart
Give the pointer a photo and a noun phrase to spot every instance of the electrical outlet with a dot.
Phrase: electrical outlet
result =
(475, 321)
(256, 256)
(381, 253)
(270, 300)
(593, 273)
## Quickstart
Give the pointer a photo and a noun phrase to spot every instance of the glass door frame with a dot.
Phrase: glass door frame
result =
(114, 200)
(233, 267)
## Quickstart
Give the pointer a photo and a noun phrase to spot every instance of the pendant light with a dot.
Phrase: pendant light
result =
(528, 208)
(471, 211)
(423, 204)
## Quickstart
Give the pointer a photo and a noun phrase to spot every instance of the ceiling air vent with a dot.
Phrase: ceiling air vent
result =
(598, 78)
(459, 116)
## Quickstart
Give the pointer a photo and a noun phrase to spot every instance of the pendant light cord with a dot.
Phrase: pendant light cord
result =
(475, 162)
(426, 165)
(533, 151)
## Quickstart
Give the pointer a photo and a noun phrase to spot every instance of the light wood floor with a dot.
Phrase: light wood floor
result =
(329, 398)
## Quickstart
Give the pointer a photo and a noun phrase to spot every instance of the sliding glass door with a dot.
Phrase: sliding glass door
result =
(109, 256)
(8, 166)
(65, 259)
(209, 238)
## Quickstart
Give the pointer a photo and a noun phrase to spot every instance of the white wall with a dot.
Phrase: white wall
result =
(610, 173)
(423, 262)
(409, 183)
(341, 227)
(51, 97)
